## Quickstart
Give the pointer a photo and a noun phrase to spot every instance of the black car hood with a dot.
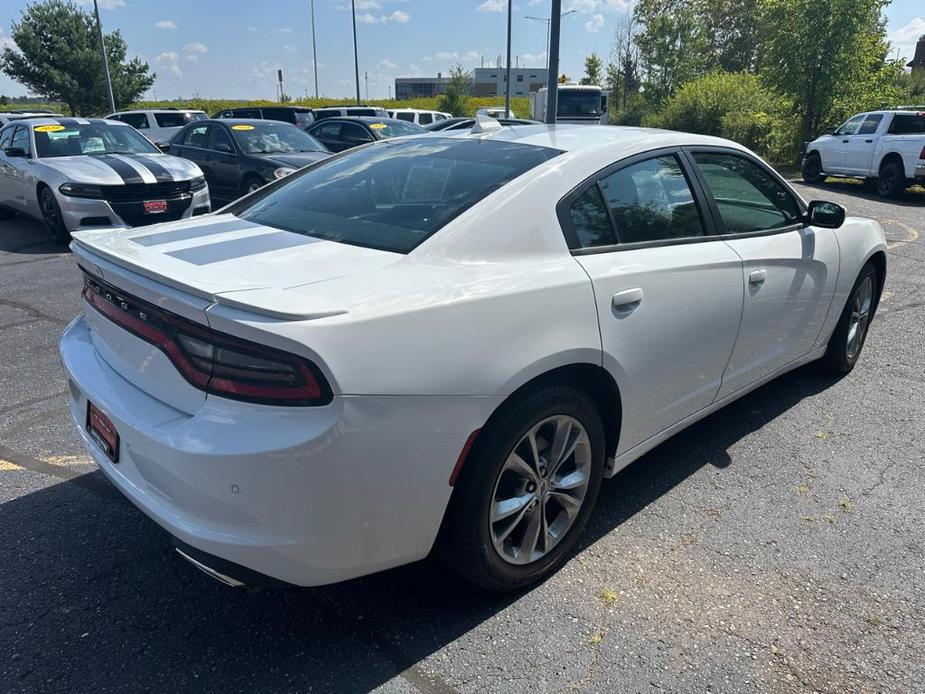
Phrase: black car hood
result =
(295, 160)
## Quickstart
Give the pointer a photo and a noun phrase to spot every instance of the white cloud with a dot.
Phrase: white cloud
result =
(905, 38)
(386, 64)
(397, 17)
(594, 25)
(368, 5)
(170, 60)
(492, 6)
(104, 4)
(288, 48)
(196, 47)
(251, 28)
(367, 19)
(283, 30)
(6, 41)
(537, 59)
(447, 55)
(165, 24)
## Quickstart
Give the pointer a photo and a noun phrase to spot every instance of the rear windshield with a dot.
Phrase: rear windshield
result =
(178, 119)
(394, 195)
(93, 138)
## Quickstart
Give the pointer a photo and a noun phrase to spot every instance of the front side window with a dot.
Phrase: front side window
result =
(850, 127)
(651, 201)
(196, 136)
(404, 115)
(92, 138)
(219, 136)
(176, 119)
(748, 197)
(870, 124)
(425, 119)
(6, 137)
(139, 121)
(21, 139)
(392, 196)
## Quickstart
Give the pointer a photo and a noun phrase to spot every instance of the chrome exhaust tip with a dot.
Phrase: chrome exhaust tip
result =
(208, 570)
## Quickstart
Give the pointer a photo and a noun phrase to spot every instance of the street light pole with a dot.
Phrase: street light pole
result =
(547, 22)
(552, 71)
(356, 58)
(507, 91)
(99, 24)
(314, 50)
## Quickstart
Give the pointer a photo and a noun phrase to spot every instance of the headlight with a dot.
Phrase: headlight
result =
(81, 190)
(283, 171)
(197, 183)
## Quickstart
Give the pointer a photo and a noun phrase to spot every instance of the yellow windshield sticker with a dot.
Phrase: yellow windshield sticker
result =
(378, 126)
(48, 128)
(242, 127)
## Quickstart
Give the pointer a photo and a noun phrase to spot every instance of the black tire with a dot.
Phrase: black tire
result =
(6, 214)
(251, 183)
(892, 179)
(812, 168)
(51, 216)
(839, 356)
(465, 543)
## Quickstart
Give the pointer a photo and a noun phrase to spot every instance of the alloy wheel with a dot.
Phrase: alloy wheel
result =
(861, 304)
(52, 217)
(540, 490)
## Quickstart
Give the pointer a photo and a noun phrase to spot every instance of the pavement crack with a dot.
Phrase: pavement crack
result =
(32, 311)
(32, 401)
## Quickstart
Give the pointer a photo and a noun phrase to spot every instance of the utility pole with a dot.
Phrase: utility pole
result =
(279, 76)
(552, 70)
(356, 56)
(507, 91)
(99, 24)
(314, 50)
(366, 82)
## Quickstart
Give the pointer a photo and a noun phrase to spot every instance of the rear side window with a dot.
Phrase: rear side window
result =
(425, 118)
(590, 219)
(139, 121)
(393, 196)
(404, 115)
(870, 124)
(320, 115)
(908, 124)
(283, 114)
(748, 197)
(174, 120)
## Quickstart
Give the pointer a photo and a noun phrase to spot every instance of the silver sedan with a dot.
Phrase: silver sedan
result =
(80, 173)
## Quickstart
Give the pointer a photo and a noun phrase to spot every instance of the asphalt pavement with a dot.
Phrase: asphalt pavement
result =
(777, 546)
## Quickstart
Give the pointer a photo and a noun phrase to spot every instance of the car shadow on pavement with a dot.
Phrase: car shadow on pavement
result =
(911, 197)
(95, 599)
(27, 236)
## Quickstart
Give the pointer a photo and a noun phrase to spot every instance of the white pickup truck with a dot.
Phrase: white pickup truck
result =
(885, 148)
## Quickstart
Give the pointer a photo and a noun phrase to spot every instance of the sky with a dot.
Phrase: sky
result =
(221, 49)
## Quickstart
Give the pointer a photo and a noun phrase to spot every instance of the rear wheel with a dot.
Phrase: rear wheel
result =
(812, 168)
(51, 216)
(847, 341)
(892, 180)
(526, 490)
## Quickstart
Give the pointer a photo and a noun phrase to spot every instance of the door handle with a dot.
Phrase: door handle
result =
(845, 141)
(868, 141)
(627, 301)
(757, 277)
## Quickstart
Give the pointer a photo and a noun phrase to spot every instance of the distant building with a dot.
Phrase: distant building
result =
(485, 81)
(420, 87)
(918, 62)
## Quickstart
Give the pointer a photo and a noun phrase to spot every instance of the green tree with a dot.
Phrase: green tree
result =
(829, 57)
(455, 99)
(57, 55)
(594, 66)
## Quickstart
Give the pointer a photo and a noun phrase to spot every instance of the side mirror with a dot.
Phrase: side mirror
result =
(828, 215)
(163, 146)
(14, 152)
(223, 147)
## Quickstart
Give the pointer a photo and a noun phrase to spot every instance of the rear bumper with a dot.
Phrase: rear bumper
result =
(308, 496)
(88, 213)
(919, 172)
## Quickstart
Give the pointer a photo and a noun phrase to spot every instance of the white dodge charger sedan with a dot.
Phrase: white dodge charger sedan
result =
(444, 343)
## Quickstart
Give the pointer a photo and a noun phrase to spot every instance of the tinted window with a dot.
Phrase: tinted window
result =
(395, 195)
(404, 115)
(5, 137)
(196, 136)
(21, 139)
(218, 135)
(326, 114)
(92, 138)
(590, 219)
(246, 113)
(139, 121)
(362, 112)
(850, 126)
(354, 134)
(425, 119)
(748, 197)
(870, 124)
(176, 120)
(651, 201)
(327, 131)
(907, 124)
(283, 114)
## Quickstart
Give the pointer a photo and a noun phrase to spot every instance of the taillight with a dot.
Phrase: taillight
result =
(922, 153)
(212, 361)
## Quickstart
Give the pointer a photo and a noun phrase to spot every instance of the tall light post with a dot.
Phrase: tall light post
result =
(552, 69)
(546, 21)
(356, 58)
(314, 50)
(99, 24)
(507, 77)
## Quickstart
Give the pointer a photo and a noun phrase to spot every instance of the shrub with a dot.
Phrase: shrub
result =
(734, 105)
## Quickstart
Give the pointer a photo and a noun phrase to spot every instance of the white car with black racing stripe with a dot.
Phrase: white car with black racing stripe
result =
(83, 173)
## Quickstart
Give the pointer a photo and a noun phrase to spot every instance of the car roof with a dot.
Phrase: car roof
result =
(63, 120)
(159, 110)
(362, 119)
(242, 121)
(575, 138)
